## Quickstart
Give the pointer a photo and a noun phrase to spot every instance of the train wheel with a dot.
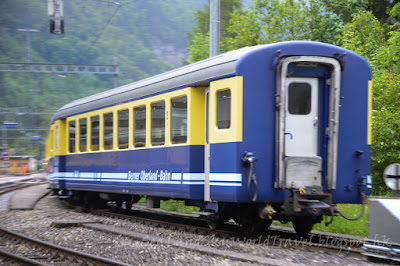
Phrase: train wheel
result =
(302, 225)
(118, 204)
(89, 201)
(257, 226)
(128, 204)
(214, 221)
(261, 226)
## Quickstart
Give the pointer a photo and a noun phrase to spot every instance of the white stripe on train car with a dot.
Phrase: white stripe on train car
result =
(226, 177)
(216, 179)
(193, 176)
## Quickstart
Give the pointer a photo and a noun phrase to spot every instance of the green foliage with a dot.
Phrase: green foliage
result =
(199, 39)
(177, 206)
(365, 35)
(268, 21)
(345, 9)
(282, 20)
(244, 30)
(173, 205)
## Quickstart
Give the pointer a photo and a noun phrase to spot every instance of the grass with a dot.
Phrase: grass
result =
(339, 224)
(173, 205)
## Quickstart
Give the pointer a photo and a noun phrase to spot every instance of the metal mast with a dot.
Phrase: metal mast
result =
(214, 27)
(28, 43)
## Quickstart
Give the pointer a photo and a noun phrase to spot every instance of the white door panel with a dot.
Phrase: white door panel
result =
(303, 165)
(302, 125)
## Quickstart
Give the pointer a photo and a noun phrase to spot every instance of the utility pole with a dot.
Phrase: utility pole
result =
(214, 27)
(34, 119)
(28, 43)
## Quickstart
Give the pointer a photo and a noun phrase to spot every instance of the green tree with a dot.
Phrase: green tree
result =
(270, 21)
(365, 35)
(199, 38)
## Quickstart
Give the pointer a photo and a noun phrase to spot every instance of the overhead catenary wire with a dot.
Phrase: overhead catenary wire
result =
(119, 5)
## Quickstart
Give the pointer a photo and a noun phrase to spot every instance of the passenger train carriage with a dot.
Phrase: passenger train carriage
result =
(278, 131)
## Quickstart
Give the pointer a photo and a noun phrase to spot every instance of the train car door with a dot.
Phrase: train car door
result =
(303, 163)
(301, 117)
(207, 147)
(298, 162)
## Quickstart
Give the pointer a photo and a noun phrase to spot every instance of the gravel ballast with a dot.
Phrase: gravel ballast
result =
(36, 223)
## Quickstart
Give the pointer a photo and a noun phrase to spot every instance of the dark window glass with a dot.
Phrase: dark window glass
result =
(299, 98)
(224, 109)
(108, 131)
(179, 120)
(83, 134)
(95, 121)
(139, 130)
(158, 123)
(57, 137)
(123, 129)
(72, 136)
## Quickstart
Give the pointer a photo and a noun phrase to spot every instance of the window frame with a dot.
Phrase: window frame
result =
(152, 142)
(80, 134)
(171, 126)
(134, 126)
(217, 109)
(69, 150)
(107, 146)
(125, 145)
(98, 133)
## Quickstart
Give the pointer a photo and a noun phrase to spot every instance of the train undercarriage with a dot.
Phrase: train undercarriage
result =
(301, 208)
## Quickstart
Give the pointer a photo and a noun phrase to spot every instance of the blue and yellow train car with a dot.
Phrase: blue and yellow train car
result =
(278, 131)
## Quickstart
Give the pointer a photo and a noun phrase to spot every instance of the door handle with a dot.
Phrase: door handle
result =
(290, 134)
(315, 121)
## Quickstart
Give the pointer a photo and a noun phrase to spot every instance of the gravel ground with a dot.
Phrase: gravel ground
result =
(36, 223)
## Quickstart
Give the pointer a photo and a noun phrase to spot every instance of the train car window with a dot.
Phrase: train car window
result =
(224, 109)
(179, 120)
(71, 130)
(57, 137)
(139, 131)
(123, 129)
(108, 131)
(83, 134)
(95, 139)
(158, 123)
(51, 140)
(299, 100)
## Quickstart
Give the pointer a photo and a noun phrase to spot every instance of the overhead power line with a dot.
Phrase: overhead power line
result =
(119, 5)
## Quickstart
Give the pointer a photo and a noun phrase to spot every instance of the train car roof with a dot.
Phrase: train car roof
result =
(196, 74)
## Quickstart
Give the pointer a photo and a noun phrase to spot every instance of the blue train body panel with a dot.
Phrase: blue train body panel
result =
(178, 172)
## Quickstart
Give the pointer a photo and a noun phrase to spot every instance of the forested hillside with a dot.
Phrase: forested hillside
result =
(147, 38)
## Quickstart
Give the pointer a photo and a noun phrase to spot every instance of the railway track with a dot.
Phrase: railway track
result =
(329, 244)
(17, 248)
(12, 187)
(275, 236)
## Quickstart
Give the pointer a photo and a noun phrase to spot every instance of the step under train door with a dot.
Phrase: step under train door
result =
(298, 162)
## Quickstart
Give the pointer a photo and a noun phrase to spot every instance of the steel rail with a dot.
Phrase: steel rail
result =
(63, 252)
(276, 237)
